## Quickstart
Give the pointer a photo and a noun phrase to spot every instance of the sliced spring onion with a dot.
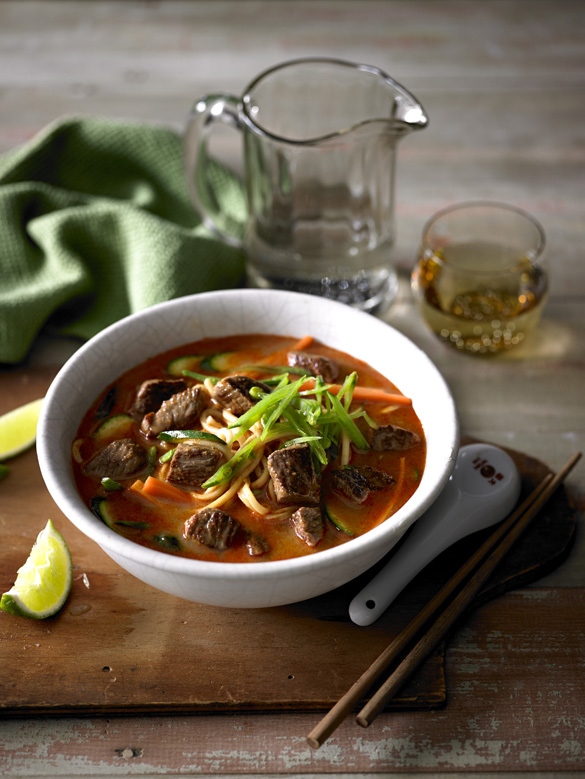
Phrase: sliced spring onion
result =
(152, 452)
(347, 424)
(200, 376)
(303, 439)
(347, 388)
(229, 469)
(277, 411)
(166, 456)
(110, 484)
(363, 414)
(265, 406)
(304, 429)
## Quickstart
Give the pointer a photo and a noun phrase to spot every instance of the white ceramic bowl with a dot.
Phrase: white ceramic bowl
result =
(184, 320)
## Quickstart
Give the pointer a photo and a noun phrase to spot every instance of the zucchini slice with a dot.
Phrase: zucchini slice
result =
(180, 435)
(190, 362)
(102, 510)
(118, 426)
(337, 522)
(167, 542)
(218, 362)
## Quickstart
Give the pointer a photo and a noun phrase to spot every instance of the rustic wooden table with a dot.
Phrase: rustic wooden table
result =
(503, 83)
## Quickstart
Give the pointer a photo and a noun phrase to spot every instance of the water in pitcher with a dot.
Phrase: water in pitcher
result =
(372, 287)
(329, 242)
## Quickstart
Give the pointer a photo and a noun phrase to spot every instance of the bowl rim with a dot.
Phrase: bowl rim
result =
(111, 542)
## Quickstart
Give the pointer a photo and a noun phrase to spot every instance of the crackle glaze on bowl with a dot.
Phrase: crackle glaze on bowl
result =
(184, 320)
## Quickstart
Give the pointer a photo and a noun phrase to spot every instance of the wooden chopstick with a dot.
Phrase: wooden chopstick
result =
(491, 551)
(342, 708)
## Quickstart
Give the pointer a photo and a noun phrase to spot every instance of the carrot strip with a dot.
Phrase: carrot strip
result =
(375, 394)
(372, 394)
(303, 343)
(162, 490)
(138, 489)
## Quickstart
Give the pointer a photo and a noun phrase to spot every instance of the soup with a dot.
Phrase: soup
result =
(248, 448)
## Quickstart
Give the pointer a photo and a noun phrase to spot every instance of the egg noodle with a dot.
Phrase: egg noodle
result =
(289, 415)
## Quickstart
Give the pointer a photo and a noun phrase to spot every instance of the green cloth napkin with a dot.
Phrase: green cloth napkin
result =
(96, 223)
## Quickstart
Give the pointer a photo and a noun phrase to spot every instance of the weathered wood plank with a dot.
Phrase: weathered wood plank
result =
(517, 703)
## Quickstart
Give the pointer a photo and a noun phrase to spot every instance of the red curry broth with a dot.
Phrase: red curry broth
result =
(160, 526)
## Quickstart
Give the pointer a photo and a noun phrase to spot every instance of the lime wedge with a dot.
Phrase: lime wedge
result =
(18, 429)
(44, 582)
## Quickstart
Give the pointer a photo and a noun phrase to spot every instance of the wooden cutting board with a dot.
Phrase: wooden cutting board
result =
(121, 647)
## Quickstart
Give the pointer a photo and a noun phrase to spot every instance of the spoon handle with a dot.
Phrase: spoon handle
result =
(468, 503)
(373, 600)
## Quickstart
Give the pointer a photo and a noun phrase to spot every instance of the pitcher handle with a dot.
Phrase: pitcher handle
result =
(198, 165)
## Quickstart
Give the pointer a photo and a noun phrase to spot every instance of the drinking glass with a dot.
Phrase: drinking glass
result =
(480, 280)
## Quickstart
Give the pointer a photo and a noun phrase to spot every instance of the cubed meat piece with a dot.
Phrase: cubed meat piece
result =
(376, 478)
(355, 484)
(293, 475)
(213, 528)
(179, 412)
(256, 545)
(122, 459)
(233, 393)
(388, 437)
(193, 463)
(314, 364)
(151, 394)
(351, 484)
(308, 524)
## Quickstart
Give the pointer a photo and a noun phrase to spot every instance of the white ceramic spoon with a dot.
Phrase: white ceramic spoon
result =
(482, 490)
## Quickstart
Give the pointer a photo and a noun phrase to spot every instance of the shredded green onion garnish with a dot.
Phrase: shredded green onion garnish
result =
(167, 456)
(266, 405)
(229, 469)
(110, 484)
(315, 417)
(200, 376)
(348, 425)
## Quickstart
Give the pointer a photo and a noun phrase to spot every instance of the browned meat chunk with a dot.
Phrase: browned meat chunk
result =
(233, 393)
(376, 478)
(351, 484)
(121, 459)
(293, 475)
(193, 463)
(355, 484)
(256, 546)
(180, 412)
(391, 437)
(213, 528)
(151, 394)
(314, 364)
(308, 524)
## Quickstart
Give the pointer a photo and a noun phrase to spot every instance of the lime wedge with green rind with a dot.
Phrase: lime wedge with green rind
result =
(18, 429)
(43, 583)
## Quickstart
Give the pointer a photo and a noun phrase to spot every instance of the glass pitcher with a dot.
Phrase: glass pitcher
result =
(319, 143)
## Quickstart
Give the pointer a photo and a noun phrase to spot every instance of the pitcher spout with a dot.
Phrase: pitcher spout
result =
(406, 111)
(410, 115)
